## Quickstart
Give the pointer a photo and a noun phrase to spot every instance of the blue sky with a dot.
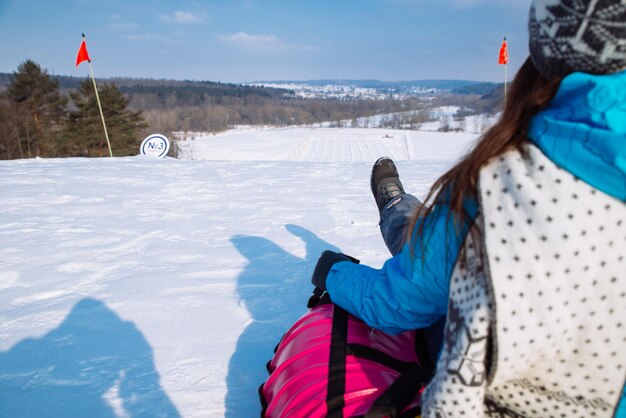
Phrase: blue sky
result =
(248, 40)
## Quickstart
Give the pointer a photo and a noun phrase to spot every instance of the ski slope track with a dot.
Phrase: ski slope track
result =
(159, 287)
(327, 145)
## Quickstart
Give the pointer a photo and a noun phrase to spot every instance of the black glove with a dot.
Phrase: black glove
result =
(324, 263)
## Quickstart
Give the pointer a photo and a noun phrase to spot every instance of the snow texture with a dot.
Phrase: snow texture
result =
(144, 287)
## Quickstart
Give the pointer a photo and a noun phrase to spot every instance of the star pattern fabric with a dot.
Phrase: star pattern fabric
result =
(537, 304)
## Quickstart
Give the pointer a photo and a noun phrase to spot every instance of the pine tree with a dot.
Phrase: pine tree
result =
(9, 130)
(40, 107)
(85, 132)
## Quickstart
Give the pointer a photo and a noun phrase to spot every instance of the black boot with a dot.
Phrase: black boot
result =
(385, 182)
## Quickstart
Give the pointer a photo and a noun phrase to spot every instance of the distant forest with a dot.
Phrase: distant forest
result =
(205, 106)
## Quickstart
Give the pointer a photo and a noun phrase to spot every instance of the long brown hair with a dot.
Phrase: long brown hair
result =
(529, 93)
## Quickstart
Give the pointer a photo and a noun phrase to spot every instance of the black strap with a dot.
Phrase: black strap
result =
(319, 297)
(401, 392)
(337, 364)
(421, 351)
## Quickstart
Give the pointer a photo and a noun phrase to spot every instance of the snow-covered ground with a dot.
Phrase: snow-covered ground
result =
(139, 287)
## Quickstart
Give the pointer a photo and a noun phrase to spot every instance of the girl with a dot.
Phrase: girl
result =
(522, 245)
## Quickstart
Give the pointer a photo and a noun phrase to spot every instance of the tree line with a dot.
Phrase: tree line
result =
(212, 116)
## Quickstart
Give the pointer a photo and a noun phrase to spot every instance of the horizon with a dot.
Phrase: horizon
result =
(248, 40)
(10, 73)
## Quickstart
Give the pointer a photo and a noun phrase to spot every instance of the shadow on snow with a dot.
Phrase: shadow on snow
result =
(93, 365)
(275, 287)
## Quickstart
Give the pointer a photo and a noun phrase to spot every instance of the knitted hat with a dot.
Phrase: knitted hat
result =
(578, 35)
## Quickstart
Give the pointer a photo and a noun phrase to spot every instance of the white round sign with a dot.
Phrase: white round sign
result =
(156, 145)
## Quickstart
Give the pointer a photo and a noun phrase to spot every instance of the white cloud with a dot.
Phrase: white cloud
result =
(260, 43)
(181, 17)
(247, 41)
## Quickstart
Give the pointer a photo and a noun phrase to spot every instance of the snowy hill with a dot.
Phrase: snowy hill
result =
(142, 287)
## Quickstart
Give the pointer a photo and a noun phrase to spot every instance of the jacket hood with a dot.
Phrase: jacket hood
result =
(584, 130)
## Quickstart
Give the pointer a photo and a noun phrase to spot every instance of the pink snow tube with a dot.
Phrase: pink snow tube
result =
(330, 364)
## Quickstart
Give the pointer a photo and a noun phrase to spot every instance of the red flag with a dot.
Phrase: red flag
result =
(504, 53)
(82, 55)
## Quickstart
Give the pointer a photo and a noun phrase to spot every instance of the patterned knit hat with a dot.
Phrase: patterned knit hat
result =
(578, 35)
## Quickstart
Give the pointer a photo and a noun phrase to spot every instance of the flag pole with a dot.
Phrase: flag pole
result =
(505, 84)
(95, 87)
